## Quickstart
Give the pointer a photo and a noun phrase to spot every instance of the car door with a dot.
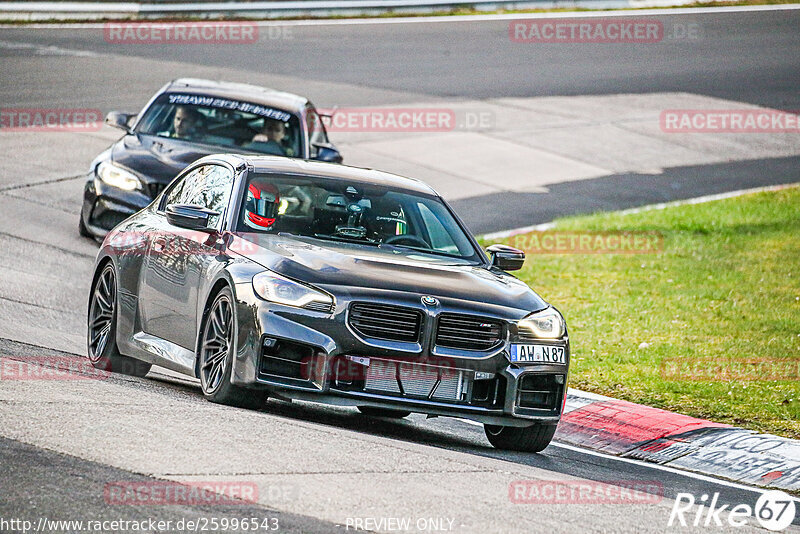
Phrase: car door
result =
(179, 258)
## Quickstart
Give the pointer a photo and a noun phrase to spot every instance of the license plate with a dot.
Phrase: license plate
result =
(538, 353)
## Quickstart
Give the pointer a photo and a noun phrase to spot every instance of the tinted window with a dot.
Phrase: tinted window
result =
(225, 123)
(357, 213)
(208, 186)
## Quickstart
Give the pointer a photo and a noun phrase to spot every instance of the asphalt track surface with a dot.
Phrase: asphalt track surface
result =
(736, 59)
(62, 441)
(749, 57)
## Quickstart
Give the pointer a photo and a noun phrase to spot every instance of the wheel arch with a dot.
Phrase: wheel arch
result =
(222, 281)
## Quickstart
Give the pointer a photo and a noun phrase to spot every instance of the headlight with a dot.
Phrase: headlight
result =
(546, 324)
(275, 288)
(118, 177)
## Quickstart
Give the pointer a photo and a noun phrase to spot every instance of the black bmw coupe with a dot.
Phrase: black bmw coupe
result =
(269, 276)
(186, 120)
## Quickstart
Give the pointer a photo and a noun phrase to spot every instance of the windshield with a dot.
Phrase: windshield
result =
(357, 213)
(222, 122)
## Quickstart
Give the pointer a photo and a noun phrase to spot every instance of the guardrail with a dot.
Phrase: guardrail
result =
(39, 11)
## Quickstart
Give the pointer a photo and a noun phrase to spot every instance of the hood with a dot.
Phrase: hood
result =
(158, 159)
(336, 267)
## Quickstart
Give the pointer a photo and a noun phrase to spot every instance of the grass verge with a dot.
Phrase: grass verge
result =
(709, 327)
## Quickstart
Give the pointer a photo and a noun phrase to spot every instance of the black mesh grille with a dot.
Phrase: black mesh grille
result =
(467, 332)
(394, 323)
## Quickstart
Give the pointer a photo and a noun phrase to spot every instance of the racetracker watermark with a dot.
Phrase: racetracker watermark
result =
(197, 243)
(181, 243)
(601, 31)
(359, 368)
(386, 120)
(586, 31)
(218, 32)
(585, 492)
(748, 369)
(186, 493)
(580, 242)
(50, 120)
(51, 368)
(729, 121)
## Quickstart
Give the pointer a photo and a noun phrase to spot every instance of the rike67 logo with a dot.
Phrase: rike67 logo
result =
(774, 510)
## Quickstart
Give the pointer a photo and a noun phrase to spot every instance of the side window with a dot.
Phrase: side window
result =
(208, 186)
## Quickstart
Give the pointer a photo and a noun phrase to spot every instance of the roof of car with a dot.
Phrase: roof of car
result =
(281, 165)
(239, 91)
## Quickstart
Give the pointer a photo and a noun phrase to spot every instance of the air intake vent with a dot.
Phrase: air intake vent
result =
(467, 332)
(379, 321)
(540, 392)
(319, 306)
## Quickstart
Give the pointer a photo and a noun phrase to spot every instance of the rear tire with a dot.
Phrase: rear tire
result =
(534, 438)
(371, 411)
(102, 328)
(216, 351)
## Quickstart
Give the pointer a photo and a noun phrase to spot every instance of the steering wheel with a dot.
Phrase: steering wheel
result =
(410, 239)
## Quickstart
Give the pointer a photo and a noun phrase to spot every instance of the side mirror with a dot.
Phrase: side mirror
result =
(506, 258)
(118, 119)
(327, 153)
(189, 216)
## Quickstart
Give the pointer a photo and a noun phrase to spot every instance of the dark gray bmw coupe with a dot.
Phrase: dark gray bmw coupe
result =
(187, 119)
(267, 276)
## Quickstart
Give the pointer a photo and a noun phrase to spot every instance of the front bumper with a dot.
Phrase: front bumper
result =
(317, 356)
(105, 206)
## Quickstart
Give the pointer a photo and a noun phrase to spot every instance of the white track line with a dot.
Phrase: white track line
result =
(649, 207)
(47, 50)
(641, 13)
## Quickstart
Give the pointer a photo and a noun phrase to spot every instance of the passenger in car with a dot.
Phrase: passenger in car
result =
(270, 139)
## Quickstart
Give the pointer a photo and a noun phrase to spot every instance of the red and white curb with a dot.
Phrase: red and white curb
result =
(635, 431)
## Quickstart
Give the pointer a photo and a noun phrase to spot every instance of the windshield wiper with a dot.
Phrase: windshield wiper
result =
(430, 251)
(344, 239)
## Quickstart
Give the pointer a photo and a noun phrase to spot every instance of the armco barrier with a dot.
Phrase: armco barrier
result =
(40, 11)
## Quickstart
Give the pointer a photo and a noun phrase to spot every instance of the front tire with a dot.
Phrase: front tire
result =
(82, 230)
(217, 349)
(102, 328)
(533, 438)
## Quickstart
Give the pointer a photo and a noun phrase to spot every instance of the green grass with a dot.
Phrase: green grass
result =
(725, 288)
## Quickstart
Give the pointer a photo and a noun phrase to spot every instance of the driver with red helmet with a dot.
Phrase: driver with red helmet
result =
(261, 206)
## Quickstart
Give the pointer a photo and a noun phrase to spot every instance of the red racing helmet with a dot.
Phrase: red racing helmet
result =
(261, 206)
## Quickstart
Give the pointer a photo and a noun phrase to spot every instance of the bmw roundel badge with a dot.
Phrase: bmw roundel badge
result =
(429, 301)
